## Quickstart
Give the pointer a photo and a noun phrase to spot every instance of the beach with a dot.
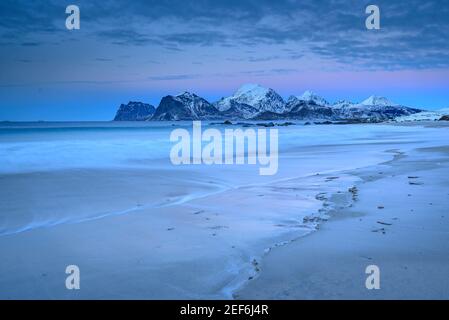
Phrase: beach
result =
(399, 223)
(106, 198)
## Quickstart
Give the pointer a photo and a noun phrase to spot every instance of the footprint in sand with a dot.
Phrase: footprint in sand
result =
(379, 230)
(414, 183)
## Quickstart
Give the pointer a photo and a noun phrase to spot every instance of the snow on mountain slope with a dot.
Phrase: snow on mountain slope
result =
(309, 96)
(342, 104)
(251, 94)
(198, 106)
(238, 111)
(260, 98)
(185, 106)
(374, 108)
(377, 101)
(421, 116)
(252, 101)
(424, 116)
(308, 107)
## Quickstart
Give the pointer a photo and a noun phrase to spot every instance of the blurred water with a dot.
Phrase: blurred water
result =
(28, 147)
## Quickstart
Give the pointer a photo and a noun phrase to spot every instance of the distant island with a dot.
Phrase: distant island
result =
(254, 102)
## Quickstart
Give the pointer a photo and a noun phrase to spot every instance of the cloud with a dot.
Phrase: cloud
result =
(263, 72)
(414, 34)
(174, 77)
(206, 38)
(30, 44)
(125, 37)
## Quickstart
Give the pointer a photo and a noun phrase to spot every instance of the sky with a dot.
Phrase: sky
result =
(142, 50)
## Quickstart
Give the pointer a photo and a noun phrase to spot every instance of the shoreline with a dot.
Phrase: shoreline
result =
(308, 283)
(337, 201)
(310, 224)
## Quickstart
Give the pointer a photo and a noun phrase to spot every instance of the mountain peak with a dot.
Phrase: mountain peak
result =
(377, 101)
(311, 96)
(256, 96)
(186, 94)
(308, 94)
(251, 89)
(134, 111)
(343, 103)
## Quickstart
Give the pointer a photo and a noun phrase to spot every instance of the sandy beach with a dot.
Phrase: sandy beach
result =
(398, 222)
(374, 194)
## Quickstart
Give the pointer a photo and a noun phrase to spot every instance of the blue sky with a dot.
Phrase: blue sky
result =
(143, 50)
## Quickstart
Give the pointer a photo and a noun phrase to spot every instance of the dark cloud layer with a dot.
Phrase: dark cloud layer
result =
(414, 33)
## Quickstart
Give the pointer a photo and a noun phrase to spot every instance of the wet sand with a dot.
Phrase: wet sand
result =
(399, 222)
(214, 232)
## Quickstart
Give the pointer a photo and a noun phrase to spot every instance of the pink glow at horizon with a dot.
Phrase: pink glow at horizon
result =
(373, 80)
(332, 85)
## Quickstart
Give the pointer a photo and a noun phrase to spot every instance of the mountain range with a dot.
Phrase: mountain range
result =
(254, 102)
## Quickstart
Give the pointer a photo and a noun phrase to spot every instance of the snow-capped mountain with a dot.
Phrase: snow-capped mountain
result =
(134, 111)
(424, 116)
(185, 106)
(311, 97)
(236, 110)
(374, 108)
(342, 104)
(259, 98)
(378, 101)
(309, 106)
(253, 102)
(421, 116)
(198, 106)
